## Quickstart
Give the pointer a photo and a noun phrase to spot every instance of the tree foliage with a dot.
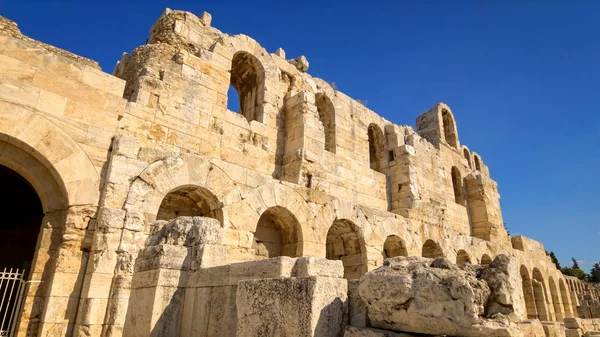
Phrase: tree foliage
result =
(575, 271)
(555, 260)
(595, 273)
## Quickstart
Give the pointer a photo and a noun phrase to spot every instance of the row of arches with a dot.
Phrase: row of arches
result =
(545, 304)
(475, 163)
(279, 233)
(246, 96)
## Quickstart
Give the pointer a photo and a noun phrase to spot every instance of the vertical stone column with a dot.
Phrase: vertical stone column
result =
(483, 204)
(404, 188)
(161, 272)
(300, 111)
(65, 284)
(529, 300)
(42, 271)
(115, 243)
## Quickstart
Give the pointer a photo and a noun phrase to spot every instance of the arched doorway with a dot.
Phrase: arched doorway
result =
(190, 200)
(376, 147)
(344, 242)
(22, 215)
(394, 246)
(432, 250)
(462, 257)
(278, 233)
(326, 112)
(486, 259)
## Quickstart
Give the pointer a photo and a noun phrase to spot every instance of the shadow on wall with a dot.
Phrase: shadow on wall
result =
(169, 322)
(325, 326)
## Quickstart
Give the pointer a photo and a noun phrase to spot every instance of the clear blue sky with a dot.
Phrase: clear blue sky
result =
(521, 79)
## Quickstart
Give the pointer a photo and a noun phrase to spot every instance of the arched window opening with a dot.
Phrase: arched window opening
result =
(462, 257)
(247, 78)
(326, 112)
(467, 155)
(486, 259)
(432, 250)
(376, 147)
(528, 293)
(477, 162)
(449, 129)
(457, 186)
(22, 215)
(540, 294)
(394, 246)
(278, 233)
(556, 300)
(190, 200)
(345, 243)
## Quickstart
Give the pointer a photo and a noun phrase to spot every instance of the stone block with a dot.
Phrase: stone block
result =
(431, 297)
(126, 145)
(268, 268)
(352, 331)
(314, 266)
(303, 306)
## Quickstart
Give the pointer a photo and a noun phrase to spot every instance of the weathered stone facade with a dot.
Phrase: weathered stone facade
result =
(131, 168)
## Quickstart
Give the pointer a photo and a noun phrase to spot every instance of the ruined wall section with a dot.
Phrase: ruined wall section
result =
(58, 114)
(180, 81)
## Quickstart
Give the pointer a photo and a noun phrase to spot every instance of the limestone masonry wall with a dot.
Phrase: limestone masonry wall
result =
(299, 170)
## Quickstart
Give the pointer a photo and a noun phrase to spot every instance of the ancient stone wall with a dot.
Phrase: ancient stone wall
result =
(299, 170)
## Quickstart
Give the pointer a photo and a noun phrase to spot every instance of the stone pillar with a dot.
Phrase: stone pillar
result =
(115, 244)
(529, 300)
(41, 273)
(483, 204)
(300, 110)
(404, 188)
(161, 272)
(65, 283)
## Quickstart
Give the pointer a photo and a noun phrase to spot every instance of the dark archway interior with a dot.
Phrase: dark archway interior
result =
(21, 219)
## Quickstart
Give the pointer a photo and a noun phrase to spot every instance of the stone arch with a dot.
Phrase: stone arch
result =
(449, 128)
(467, 155)
(477, 161)
(345, 242)
(67, 185)
(394, 246)
(326, 111)
(486, 259)
(272, 202)
(248, 80)
(457, 186)
(564, 293)
(376, 147)
(462, 257)
(432, 250)
(190, 200)
(539, 291)
(556, 300)
(530, 304)
(42, 153)
(278, 233)
(149, 190)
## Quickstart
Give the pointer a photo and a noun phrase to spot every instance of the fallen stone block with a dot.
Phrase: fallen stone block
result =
(420, 295)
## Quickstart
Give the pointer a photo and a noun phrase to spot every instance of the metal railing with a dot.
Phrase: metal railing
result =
(12, 285)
